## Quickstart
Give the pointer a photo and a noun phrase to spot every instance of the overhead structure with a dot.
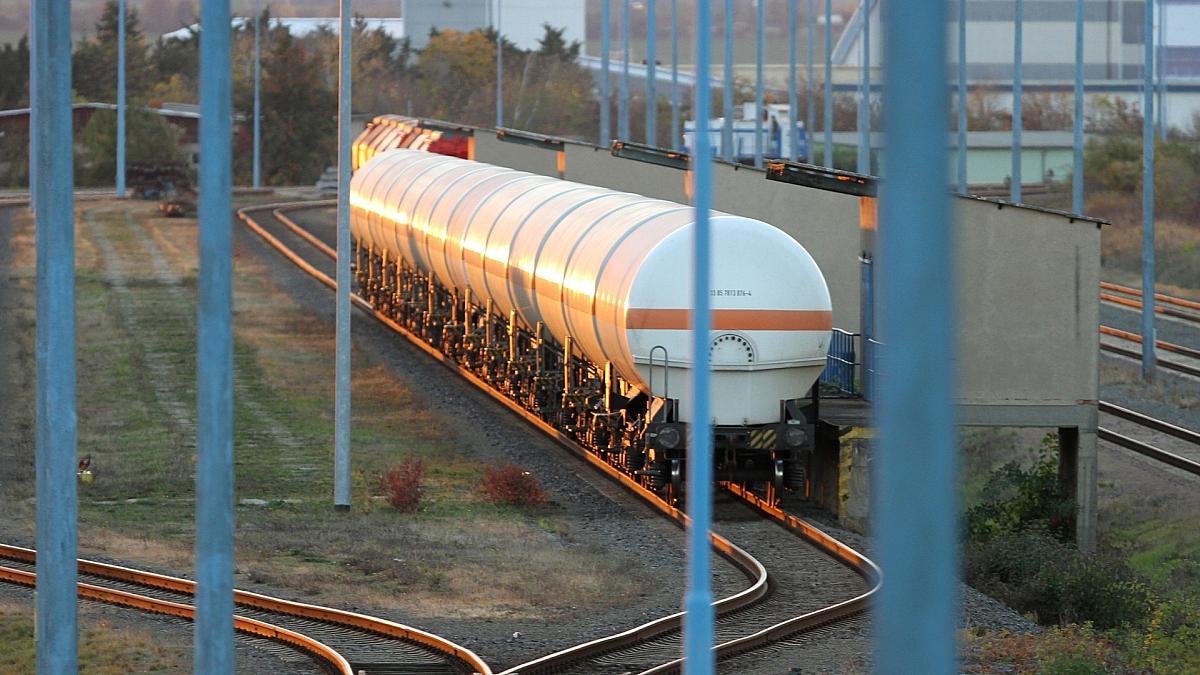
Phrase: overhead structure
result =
(121, 99)
(1149, 334)
(342, 418)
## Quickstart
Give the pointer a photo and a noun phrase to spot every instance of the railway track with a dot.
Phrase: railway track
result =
(1182, 310)
(662, 635)
(343, 642)
(1142, 447)
(1167, 305)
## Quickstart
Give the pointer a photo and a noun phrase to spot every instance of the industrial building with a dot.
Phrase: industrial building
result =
(521, 21)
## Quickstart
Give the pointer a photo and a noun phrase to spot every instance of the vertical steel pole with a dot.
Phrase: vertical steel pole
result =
(1160, 67)
(257, 94)
(214, 352)
(810, 115)
(1149, 334)
(341, 431)
(916, 613)
(623, 94)
(759, 37)
(1077, 143)
(121, 99)
(651, 68)
(727, 124)
(962, 97)
(793, 140)
(500, 69)
(605, 72)
(676, 134)
(57, 641)
(698, 621)
(828, 83)
(864, 107)
(1018, 58)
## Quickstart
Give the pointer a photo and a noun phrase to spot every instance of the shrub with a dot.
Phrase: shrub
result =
(512, 485)
(1169, 643)
(401, 484)
(1017, 499)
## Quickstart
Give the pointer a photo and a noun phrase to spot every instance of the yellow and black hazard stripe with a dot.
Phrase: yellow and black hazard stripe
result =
(763, 438)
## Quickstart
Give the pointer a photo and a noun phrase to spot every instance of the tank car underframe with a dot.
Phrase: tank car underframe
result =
(638, 433)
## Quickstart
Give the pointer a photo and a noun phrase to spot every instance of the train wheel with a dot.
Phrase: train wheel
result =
(676, 495)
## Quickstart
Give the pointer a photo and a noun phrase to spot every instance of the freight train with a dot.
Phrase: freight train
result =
(573, 300)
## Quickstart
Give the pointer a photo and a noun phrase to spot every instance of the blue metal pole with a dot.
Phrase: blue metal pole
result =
(1160, 65)
(759, 37)
(1149, 334)
(962, 97)
(121, 99)
(651, 67)
(1018, 58)
(605, 73)
(675, 131)
(916, 500)
(57, 641)
(698, 621)
(500, 69)
(214, 351)
(810, 115)
(727, 124)
(1077, 144)
(829, 83)
(34, 23)
(623, 94)
(257, 94)
(864, 107)
(793, 137)
(341, 430)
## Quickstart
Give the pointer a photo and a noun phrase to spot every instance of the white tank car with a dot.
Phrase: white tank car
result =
(609, 269)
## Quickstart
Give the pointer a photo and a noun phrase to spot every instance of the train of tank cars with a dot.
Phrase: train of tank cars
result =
(573, 300)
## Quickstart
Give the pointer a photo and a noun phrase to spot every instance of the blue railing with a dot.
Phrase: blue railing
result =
(841, 364)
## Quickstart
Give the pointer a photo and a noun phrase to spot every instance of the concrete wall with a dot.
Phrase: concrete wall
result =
(492, 150)
(597, 166)
(1028, 305)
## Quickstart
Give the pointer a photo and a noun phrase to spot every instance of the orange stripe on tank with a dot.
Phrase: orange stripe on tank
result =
(731, 319)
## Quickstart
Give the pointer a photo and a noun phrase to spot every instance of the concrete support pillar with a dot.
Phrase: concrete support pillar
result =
(1078, 475)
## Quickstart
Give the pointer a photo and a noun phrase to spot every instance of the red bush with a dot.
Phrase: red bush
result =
(512, 485)
(401, 483)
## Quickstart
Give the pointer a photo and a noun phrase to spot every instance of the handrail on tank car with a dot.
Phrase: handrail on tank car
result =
(666, 372)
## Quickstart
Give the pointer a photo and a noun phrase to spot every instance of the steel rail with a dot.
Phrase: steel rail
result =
(1165, 346)
(1158, 309)
(1144, 448)
(1133, 337)
(551, 662)
(753, 569)
(1160, 297)
(847, 556)
(268, 603)
(314, 648)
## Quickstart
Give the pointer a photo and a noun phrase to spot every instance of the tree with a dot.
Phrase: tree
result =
(94, 63)
(299, 113)
(14, 63)
(148, 138)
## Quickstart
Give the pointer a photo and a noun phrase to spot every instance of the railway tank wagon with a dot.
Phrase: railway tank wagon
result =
(574, 299)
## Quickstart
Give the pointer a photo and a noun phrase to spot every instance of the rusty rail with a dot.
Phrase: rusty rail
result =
(1137, 293)
(314, 648)
(551, 662)
(271, 604)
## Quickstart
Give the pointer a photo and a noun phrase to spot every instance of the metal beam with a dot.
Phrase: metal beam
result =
(605, 73)
(214, 352)
(257, 181)
(1149, 334)
(1018, 58)
(962, 97)
(500, 68)
(864, 106)
(914, 512)
(810, 115)
(727, 82)
(121, 99)
(759, 40)
(792, 98)
(698, 630)
(828, 141)
(676, 132)
(57, 640)
(623, 95)
(341, 428)
(1077, 125)
(651, 67)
